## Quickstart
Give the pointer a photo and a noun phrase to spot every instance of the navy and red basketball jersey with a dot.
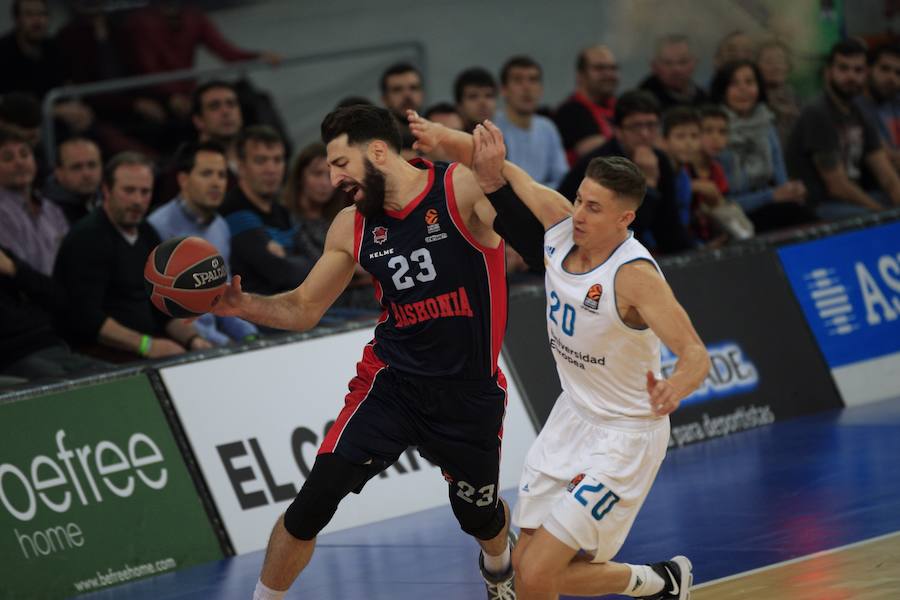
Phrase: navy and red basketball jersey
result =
(444, 294)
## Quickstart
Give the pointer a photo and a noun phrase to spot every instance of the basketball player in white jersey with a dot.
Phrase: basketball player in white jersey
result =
(608, 307)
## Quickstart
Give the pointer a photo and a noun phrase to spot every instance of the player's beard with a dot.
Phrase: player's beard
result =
(373, 185)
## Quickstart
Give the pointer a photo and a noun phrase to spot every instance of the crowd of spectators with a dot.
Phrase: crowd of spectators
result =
(725, 161)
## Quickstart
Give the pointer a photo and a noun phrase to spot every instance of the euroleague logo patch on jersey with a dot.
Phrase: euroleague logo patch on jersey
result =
(574, 483)
(431, 221)
(592, 298)
(379, 235)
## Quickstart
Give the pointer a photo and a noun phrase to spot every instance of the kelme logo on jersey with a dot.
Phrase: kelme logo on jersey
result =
(379, 235)
(431, 221)
(574, 483)
(592, 298)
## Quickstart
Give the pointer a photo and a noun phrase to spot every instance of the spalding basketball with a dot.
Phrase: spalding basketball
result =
(186, 276)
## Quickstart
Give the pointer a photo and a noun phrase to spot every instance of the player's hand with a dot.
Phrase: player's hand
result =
(232, 300)
(663, 397)
(488, 158)
(428, 135)
(161, 347)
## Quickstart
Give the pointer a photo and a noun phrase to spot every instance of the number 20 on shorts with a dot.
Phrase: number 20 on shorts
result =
(601, 506)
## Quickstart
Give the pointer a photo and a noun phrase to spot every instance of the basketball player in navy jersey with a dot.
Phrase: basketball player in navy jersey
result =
(608, 306)
(429, 378)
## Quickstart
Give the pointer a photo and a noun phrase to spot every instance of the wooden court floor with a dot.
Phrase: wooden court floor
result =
(803, 509)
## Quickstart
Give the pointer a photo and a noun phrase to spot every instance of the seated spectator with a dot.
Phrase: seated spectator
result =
(774, 63)
(681, 139)
(833, 143)
(216, 116)
(30, 226)
(585, 118)
(880, 102)
(165, 37)
(710, 185)
(20, 112)
(262, 237)
(672, 78)
(445, 114)
(29, 347)
(101, 266)
(475, 92)
(737, 45)
(194, 212)
(75, 183)
(636, 131)
(313, 204)
(32, 62)
(401, 90)
(532, 141)
(753, 160)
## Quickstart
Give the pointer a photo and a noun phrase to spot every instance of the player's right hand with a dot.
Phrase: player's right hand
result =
(489, 156)
(232, 300)
(428, 134)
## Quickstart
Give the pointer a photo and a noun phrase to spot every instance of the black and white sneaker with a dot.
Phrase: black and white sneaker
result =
(500, 587)
(678, 575)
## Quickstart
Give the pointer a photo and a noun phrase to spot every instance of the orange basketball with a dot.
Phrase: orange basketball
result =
(186, 276)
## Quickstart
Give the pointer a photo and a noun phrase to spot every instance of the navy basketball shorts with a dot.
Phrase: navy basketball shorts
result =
(456, 424)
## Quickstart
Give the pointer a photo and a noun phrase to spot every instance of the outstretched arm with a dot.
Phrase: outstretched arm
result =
(303, 307)
(640, 286)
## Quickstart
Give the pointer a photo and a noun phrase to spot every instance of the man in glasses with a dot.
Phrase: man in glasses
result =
(636, 128)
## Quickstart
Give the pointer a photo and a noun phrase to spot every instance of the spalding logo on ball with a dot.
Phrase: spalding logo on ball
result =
(186, 277)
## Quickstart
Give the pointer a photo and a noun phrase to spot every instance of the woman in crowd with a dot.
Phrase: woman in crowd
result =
(313, 204)
(774, 61)
(753, 160)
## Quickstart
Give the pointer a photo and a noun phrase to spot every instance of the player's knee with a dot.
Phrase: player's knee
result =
(480, 523)
(310, 512)
(536, 577)
(331, 479)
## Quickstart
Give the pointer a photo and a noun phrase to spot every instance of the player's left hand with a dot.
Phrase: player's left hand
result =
(663, 397)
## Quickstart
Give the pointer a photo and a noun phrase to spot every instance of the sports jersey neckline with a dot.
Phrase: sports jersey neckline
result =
(562, 262)
(402, 214)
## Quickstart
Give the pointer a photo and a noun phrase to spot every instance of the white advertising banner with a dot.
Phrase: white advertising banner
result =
(255, 421)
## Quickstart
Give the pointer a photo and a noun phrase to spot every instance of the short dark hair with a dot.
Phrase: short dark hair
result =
(353, 101)
(633, 102)
(200, 90)
(518, 62)
(441, 108)
(712, 111)
(75, 139)
(472, 77)
(397, 69)
(10, 136)
(256, 133)
(722, 79)
(186, 155)
(21, 109)
(847, 47)
(123, 159)
(879, 51)
(362, 124)
(679, 115)
(620, 175)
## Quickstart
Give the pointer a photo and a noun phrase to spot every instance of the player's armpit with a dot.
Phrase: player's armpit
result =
(639, 285)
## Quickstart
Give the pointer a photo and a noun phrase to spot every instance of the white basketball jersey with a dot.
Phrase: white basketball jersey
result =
(602, 362)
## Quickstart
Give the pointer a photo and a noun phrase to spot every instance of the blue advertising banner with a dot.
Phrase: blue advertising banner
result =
(848, 286)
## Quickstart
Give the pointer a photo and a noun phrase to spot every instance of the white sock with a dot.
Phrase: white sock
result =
(265, 593)
(497, 565)
(644, 581)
